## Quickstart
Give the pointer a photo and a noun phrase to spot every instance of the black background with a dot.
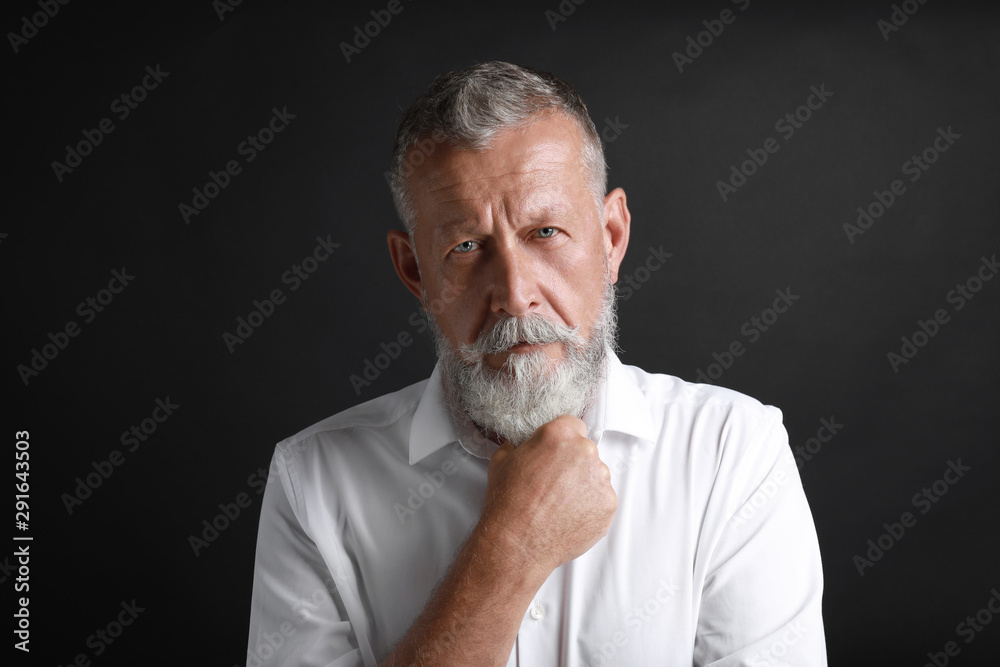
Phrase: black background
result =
(323, 176)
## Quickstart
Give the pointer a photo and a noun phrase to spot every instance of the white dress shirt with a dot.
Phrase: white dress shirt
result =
(711, 559)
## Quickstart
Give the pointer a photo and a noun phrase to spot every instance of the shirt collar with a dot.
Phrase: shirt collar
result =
(432, 427)
(620, 407)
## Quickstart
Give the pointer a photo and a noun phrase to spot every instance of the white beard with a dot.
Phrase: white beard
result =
(530, 389)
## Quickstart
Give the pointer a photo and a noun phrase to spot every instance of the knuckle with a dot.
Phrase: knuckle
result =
(567, 425)
(560, 428)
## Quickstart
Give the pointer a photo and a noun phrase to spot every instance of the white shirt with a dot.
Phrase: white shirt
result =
(712, 557)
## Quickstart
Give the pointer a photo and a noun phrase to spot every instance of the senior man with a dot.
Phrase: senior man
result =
(535, 501)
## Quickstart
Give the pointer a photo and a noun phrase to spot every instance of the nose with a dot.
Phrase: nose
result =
(514, 287)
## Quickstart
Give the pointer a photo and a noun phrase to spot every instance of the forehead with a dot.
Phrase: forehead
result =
(539, 165)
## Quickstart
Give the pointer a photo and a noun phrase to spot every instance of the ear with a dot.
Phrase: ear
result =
(617, 222)
(404, 259)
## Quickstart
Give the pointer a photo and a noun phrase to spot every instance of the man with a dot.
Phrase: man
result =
(534, 502)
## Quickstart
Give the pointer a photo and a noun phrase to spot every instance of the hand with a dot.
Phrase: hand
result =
(551, 497)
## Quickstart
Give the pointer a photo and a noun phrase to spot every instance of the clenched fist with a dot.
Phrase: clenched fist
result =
(551, 497)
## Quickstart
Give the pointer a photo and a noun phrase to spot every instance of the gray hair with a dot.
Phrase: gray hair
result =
(468, 107)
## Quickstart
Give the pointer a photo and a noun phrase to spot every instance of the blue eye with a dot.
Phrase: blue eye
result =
(465, 247)
(547, 232)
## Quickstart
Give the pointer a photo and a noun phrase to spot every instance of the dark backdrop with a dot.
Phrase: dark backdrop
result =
(115, 519)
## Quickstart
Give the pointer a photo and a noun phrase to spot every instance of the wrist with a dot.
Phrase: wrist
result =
(504, 554)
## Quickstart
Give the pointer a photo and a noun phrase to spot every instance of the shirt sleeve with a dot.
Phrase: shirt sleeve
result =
(761, 601)
(297, 611)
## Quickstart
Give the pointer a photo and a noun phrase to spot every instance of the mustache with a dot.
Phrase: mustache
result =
(531, 329)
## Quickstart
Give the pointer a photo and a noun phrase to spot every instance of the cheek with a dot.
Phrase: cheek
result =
(457, 307)
(573, 285)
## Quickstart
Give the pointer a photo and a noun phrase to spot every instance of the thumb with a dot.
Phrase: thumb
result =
(499, 456)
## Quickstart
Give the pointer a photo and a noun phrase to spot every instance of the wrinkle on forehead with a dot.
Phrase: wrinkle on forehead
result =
(523, 197)
(517, 176)
(431, 179)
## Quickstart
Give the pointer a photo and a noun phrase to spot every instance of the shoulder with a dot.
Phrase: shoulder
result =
(670, 392)
(726, 442)
(324, 468)
(379, 419)
(715, 425)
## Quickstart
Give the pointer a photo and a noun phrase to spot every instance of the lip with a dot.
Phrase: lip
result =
(519, 348)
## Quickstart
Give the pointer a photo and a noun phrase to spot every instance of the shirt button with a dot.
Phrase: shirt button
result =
(537, 612)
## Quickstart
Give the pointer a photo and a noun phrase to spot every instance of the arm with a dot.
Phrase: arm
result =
(761, 601)
(300, 611)
(547, 501)
(476, 611)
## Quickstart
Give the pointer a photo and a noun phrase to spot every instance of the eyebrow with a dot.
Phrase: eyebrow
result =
(459, 225)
